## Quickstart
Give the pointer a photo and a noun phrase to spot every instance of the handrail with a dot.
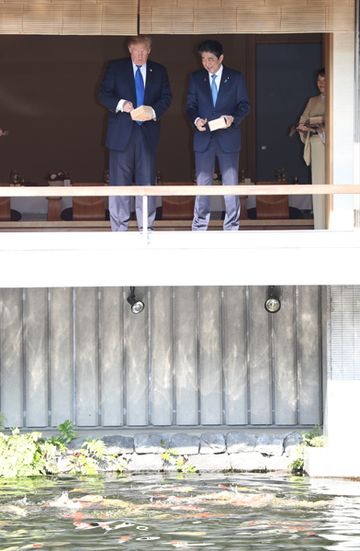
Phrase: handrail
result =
(176, 189)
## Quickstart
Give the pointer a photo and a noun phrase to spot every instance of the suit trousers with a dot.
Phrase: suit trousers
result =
(136, 164)
(205, 166)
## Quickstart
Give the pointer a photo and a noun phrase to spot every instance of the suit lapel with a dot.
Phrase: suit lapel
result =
(224, 83)
(149, 77)
(131, 80)
(206, 84)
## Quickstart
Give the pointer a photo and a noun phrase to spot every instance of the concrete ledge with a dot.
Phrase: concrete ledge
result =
(211, 463)
(144, 463)
(206, 451)
(330, 462)
(78, 259)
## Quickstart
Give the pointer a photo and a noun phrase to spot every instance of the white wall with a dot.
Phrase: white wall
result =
(343, 109)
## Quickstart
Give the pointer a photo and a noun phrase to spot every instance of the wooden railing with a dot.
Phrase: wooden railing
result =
(177, 189)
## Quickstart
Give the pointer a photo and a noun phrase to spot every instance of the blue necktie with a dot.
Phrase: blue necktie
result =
(139, 85)
(214, 90)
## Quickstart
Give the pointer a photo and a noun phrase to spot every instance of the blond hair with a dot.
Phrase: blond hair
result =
(140, 39)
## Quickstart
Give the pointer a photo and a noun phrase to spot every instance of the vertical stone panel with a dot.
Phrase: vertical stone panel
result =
(11, 357)
(235, 355)
(309, 339)
(36, 357)
(136, 337)
(161, 394)
(185, 357)
(86, 356)
(210, 356)
(111, 342)
(193, 356)
(259, 358)
(61, 356)
(285, 365)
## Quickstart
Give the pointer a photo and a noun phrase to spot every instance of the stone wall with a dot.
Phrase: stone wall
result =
(231, 451)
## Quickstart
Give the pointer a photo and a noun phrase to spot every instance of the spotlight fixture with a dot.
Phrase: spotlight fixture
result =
(136, 305)
(272, 302)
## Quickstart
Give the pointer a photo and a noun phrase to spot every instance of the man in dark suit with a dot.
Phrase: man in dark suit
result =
(129, 83)
(216, 92)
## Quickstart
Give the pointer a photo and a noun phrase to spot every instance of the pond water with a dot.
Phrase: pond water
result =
(159, 512)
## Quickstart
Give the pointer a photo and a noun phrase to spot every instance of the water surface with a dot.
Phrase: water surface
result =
(159, 512)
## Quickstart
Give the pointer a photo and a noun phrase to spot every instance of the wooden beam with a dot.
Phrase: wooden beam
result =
(161, 225)
(177, 189)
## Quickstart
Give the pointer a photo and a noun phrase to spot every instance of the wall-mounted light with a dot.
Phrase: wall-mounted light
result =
(136, 305)
(272, 302)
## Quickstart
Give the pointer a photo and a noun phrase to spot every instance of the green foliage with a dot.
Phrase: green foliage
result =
(95, 448)
(26, 455)
(67, 434)
(314, 439)
(82, 463)
(171, 457)
(67, 431)
(119, 464)
(90, 457)
(297, 466)
(58, 443)
(29, 454)
(183, 466)
(168, 455)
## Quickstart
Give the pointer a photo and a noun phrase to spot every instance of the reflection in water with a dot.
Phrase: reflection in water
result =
(241, 512)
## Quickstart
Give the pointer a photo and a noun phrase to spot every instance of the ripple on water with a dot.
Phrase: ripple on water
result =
(240, 512)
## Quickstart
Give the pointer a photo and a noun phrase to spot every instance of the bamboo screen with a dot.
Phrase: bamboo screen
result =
(119, 17)
(69, 17)
(246, 16)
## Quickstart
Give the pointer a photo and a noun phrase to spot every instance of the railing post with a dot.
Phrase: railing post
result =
(145, 209)
(357, 211)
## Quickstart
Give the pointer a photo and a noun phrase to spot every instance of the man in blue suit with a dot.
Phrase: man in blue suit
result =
(216, 92)
(129, 83)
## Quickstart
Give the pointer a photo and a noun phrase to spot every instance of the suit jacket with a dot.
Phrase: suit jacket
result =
(232, 100)
(119, 83)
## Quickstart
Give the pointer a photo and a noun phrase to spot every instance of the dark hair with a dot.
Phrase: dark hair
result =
(212, 46)
(320, 72)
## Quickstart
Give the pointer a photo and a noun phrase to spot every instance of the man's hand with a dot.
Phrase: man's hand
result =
(201, 124)
(149, 116)
(229, 119)
(128, 106)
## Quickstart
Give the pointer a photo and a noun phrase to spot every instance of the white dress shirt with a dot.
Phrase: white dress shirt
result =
(218, 79)
(120, 105)
(217, 83)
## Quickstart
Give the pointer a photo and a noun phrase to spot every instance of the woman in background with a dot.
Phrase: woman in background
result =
(311, 128)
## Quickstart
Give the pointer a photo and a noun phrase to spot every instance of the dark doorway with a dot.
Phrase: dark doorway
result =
(285, 79)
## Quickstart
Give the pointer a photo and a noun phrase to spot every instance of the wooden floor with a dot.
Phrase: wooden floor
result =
(160, 225)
